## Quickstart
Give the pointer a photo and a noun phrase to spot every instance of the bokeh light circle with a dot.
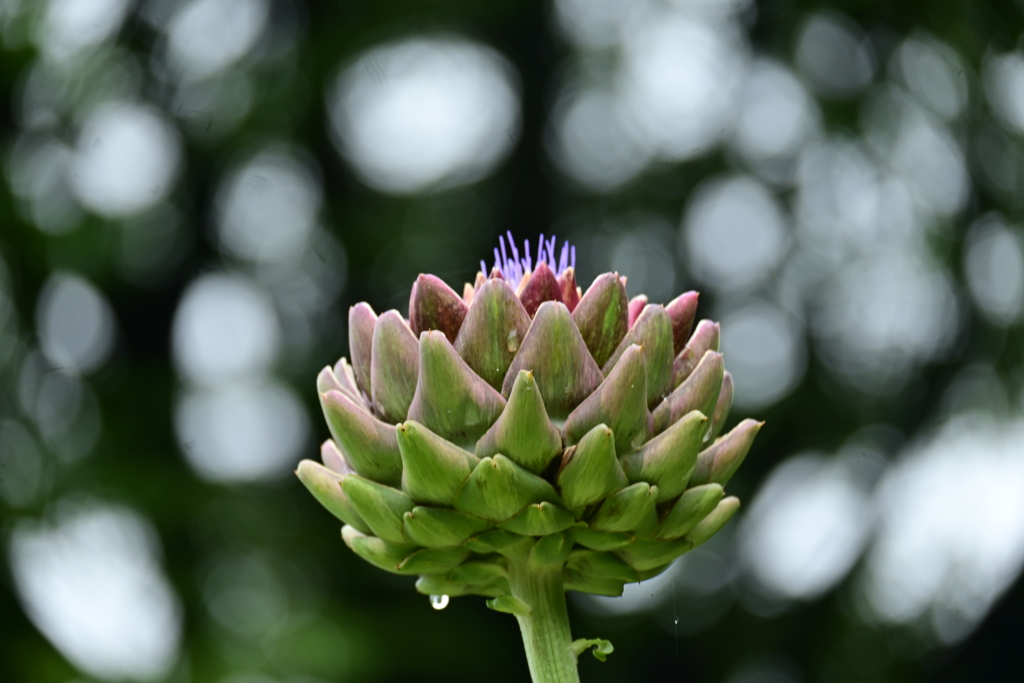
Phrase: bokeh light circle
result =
(424, 113)
(125, 161)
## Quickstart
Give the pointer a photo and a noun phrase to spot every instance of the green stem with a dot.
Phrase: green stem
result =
(545, 629)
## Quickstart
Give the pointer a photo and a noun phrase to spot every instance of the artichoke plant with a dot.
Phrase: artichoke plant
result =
(527, 438)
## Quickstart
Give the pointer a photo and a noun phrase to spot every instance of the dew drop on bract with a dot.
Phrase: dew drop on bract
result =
(513, 341)
(438, 601)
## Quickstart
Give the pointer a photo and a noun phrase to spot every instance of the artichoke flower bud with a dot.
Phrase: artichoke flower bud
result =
(710, 525)
(381, 506)
(440, 528)
(333, 459)
(528, 431)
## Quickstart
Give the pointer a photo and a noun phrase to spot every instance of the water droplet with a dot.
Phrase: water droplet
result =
(438, 601)
(446, 597)
(513, 341)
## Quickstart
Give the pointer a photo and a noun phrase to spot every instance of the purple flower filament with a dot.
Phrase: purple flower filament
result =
(515, 268)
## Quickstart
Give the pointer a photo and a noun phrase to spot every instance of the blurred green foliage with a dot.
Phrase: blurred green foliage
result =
(326, 615)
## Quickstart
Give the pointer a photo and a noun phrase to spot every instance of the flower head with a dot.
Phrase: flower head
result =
(527, 438)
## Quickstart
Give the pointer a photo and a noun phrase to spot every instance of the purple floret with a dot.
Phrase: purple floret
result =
(513, 269)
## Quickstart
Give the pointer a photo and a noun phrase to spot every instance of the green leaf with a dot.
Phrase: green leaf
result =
(394, 367)
(509, 604)
(498, 489)
(451, 400)
(554, 351)
(653, 332)
(370, 446)
(540, 519)
(719, 461)
(433, 305)
(620, 402)
(602, 648)
(590, 470)
(693, 506)
(699, 392)
(381, 506)
(668, 460)
(433, 468)
(440, 528)
(376, 551)
(361, 321)
(602, 316)
(705, 338)
(631, 509)
(549, 551)
(492, 332)
(325, 486)
(711, 524)
(523, 432)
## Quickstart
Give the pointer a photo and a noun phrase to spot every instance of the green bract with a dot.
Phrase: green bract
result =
(517, 443)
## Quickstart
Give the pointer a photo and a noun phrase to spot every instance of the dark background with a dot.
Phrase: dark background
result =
(264, 589)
